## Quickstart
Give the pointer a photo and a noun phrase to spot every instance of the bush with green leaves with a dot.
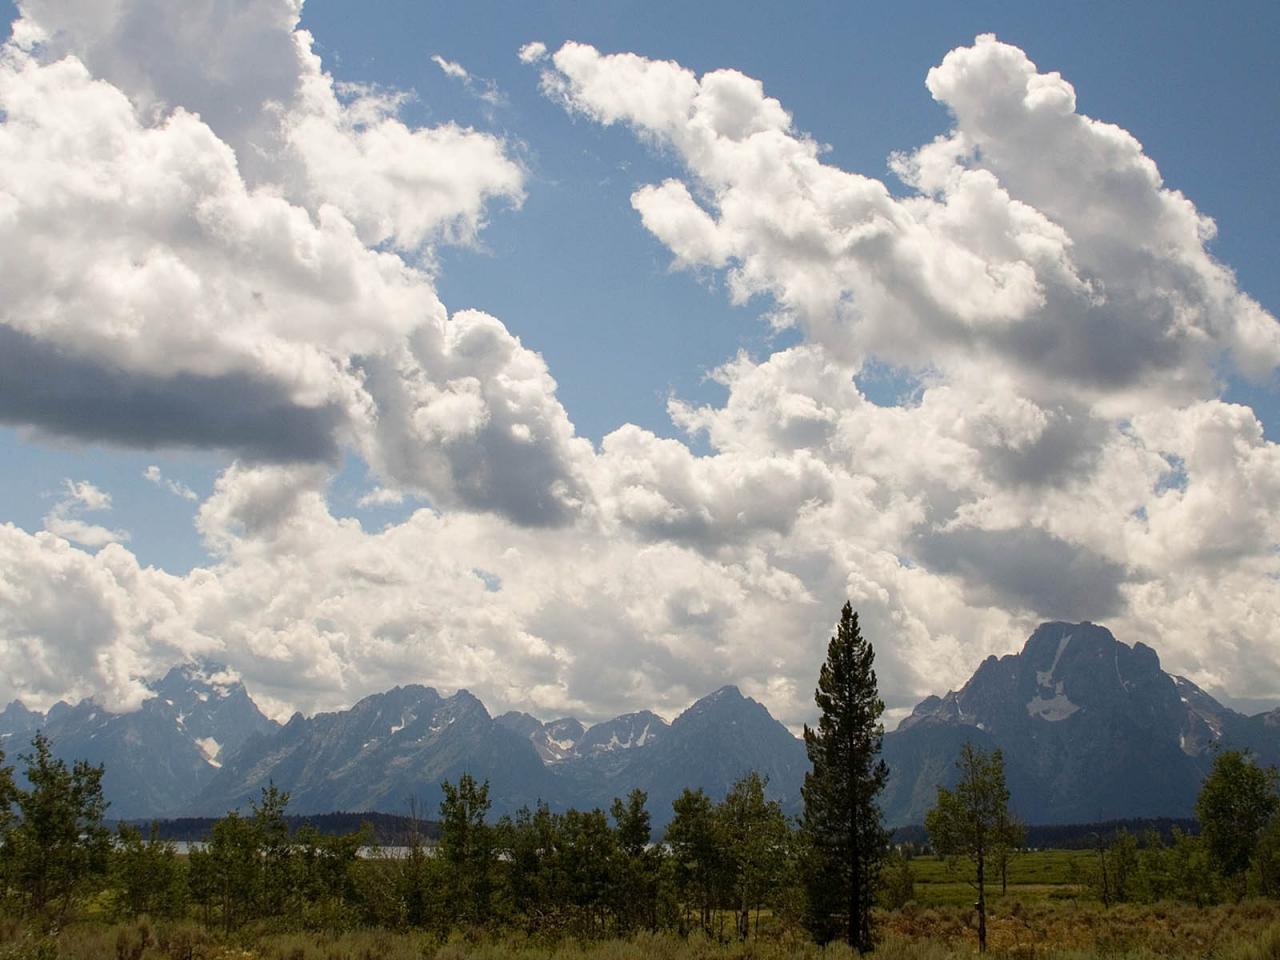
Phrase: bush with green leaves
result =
(56, 843)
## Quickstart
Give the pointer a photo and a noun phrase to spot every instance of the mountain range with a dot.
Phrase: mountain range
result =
(1090, 728)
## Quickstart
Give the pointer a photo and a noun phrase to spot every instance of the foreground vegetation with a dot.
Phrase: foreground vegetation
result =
(1046, 931)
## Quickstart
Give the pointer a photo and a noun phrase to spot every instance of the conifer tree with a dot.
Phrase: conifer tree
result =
(8, 794)
(844, 835)
(637, 880)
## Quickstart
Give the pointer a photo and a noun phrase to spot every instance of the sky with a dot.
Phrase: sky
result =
(590, 356)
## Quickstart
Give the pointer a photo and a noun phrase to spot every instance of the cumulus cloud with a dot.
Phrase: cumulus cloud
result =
(222, 247)
(223, 279)
(1039, 240)
(75, 624)
(1056, 302)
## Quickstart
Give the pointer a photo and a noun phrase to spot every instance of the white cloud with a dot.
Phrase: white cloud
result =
(298, 338)
(450, 68)
(1041, 241)
(1063, 451)
(65, 519)
(484, 90)
(74, 624)
(380, 497)
(176, 487)
(533, 51)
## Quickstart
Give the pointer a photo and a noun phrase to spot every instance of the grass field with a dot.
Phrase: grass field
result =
(1045, 931)
(1033, 876)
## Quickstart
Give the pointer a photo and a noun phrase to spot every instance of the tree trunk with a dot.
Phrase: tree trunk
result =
(982, 904)
(854, 926)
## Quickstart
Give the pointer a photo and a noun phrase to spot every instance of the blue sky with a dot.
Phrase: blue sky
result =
(567, 265)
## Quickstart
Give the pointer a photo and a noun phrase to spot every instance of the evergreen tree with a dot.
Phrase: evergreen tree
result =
(845, 839)
(8, 794)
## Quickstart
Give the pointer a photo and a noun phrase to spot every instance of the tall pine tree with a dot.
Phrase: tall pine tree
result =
(843, 833)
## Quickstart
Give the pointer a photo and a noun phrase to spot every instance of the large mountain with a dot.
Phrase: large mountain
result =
(1091, 729)
(157, 757)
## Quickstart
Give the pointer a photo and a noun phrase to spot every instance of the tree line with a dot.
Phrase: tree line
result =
(719, 866)
(1236, 854)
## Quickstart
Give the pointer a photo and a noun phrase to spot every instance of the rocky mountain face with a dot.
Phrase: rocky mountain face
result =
(715, 742)
(157, 757)
(389, 752)
(396, 747)
(1091, 729)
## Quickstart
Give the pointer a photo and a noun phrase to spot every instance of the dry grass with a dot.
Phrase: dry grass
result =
(1052, 931)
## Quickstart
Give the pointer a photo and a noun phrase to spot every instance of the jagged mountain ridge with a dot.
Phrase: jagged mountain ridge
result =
(1091, 729)
(155, 757)
(390, 750)
(397, 747)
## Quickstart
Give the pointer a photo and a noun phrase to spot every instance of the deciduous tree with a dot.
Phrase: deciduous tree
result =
(1236, 802)
(755, 836)
(970, 821)
(60, 845)
(467, 846)
(693, 837)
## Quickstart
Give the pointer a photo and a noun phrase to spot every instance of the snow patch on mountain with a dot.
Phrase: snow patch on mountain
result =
(1054, 708)
(210, 748)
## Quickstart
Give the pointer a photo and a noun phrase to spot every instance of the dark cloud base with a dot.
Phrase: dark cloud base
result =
(1027, 569)
(43, 387)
